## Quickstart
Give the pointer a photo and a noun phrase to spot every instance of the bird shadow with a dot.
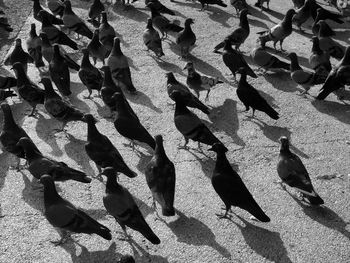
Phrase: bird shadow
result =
(275, 132)
(167, 66)
(208, 69)
(219, 15)
(141, 255)
(74, 149)
(142, 99)
(96, 214)
(44, 129)
(225, 118)
(263, 241)
(144, 208)
(335, 109)
(281, 81)
(258, 14)
(324, 216)
(257, 23)
(193, 232)
(77, 88)
(108, 255)
(275, 14)
(33, 198)
(130, 12)
(144, 159)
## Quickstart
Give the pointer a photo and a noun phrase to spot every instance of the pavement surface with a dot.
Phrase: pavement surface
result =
(319, 133)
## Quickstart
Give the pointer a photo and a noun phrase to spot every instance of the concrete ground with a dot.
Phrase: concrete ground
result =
(319, 132)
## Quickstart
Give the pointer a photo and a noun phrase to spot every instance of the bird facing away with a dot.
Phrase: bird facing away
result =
(319, 59)
(34, 47)
(56, 7)
(95, 10)
(187, 97)
(120, 69)
(239, 35)
(189, 125)
(234, 60)
(327, 44)
(230, 187)
(59, 72)
(211, 2)
(198, 82)
(328, 31)
(239, 5)
(11, 134)
(73, 22)
(338, 77)
(96, 49)
(152, 40)
(52, 18)
(292, 172)
(54, 34)
(106, 33)
(101, 150)
(128, 125)
(30, 92)
(279, 32)
(186, 38)
(304, 78)
(58, 108)
(325, 13)
(267, 61)
(250, 97)
(161, 179)
(39, 165)
(302, 15)
(64, 215)
(119, 202)
(89, 75)
(18, 55)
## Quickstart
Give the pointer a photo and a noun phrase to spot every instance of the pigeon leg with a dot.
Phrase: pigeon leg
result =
(224, 216)
(32, 112)
(206, 97)
(125, 236)
(89, 96)
(185, 145)
(281, 42)
(64, 237)
(253, 113)
(95, 60)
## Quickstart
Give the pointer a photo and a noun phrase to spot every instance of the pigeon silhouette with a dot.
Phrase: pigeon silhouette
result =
(18, 55)
(106, 33)
(186, 38)
(152, 39)
(59, 72)
(96, 49)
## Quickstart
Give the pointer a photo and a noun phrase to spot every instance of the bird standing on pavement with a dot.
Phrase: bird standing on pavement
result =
(95, 10)
(152, 39)
(119, 202)
(230, 187)
(161, 179)
(65, 216)
(34, 47)
(52, 18)
(186, 38)
(327, 44)
(327, 31)
(106, 33)
(211, 2)
(325, 13)
(56, 7)
(250, 97)
(160, 7)
(7, 82)
(302, 15)
(59, 72)
(319, 59)
(18, 55)
(292, 172)
(96, 49)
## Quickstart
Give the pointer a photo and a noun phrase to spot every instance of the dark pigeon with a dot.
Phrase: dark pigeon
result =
(59, 72)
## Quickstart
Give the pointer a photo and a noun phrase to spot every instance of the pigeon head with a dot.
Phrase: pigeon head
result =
(44, 37)
(42, 15)
(118, 97)
(151, 6)
(176, 96)
(116, 47)
(244, 13)
(88, 118)
(289, 15)
(67, 4)
(18, 67)
(47, 83)
(170, 77)
(189, 65)
(126, 259)
(109, 172)
(18, 42)
(189, 21)
(149, 23)
(218, 148)
(46, 179)
(242, 71)
(284, 143)
(159, 139)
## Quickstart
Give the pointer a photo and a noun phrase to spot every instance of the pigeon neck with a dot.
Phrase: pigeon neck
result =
(180, 108)
(316, 47)
(36, 6)
(68, 8)
(95, 39)
(56, 55)
(322, 31)
(50, 192)
(287, 21)
(116, 49)
(159, 150)
(31, 153)
(188, 28)
(294, 65)
(33, 32)
(243, 22)
(243, 78)
(346, 59)
(22, 77)
(9, 122)
(92, 131)
(149, 25)
(154, 13)
(49, 91)
(285, 150)
(112, 186)
(172, 80)
(107, 77)
(104, 17)
(85, 63)
(191, 71)
(221, 161)
(45, 41)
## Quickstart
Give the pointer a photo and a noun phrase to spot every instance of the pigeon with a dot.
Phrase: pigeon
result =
(239, 35)
(239, 5)
(37, 8)
(120, 69)
(11, 134)
(186, 38)
(298, 3)
(56, 7)
(198, 82)
(7, 82)
(59, 72)
(260, 4)
(54, 34)
(48, 51)
(189, 125)
(162, 23)
(30, 92)
(96, 49)
(188, 98)
(40, 165)
(101, 150)
(230, 187)
(325, 13)
(119, 203)
(18, 55)
(302, 15)
(319, 60)
(4, 94)
(211, 2)
(58, 108)
(303, 78)
(152, 39)
(279, 32)
(128, 125)
(74, 22)
(292, 172)
(327, 31)
(234, 60)
(106, 33)
(267, 61)
(160, 7)
(89, 75)
(95, 10)
(338, 77)
(250, 97)
(161, 179)
(327, 44)
(34, 47)
(63, 215)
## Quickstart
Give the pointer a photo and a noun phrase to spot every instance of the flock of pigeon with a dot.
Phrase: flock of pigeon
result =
(114, 78)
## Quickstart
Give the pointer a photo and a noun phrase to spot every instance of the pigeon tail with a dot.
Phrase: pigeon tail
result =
(168, 211)
(174, 28)
(314, 200)
(272, 113)
(259, 214)
(280, 65)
